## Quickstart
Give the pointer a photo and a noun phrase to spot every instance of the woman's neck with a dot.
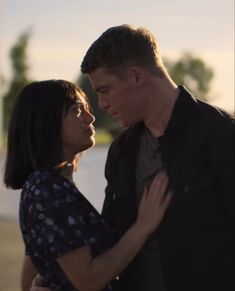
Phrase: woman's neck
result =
(67, 171)
(67, 168)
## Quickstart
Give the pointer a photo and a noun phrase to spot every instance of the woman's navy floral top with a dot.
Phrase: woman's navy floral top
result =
(56, 218)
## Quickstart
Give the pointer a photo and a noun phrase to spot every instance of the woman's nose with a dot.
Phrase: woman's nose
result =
(89, 118)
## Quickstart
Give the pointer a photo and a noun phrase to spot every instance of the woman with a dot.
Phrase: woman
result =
(66, 239)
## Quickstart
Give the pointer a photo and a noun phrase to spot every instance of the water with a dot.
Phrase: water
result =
(89, 178)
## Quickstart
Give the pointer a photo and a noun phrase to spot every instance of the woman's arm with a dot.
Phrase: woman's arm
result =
(28, 273)
(89, 274)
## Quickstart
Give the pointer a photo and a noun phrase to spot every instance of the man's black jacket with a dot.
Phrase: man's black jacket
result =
(197, 233)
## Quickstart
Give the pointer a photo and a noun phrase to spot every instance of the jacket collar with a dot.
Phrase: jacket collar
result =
(181, 112)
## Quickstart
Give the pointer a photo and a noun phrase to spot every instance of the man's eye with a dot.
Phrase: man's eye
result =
(103, 90)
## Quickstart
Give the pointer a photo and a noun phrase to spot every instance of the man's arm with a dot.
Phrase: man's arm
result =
(222, 158)
(107, 209)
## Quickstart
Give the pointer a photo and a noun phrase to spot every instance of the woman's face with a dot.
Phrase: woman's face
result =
(77, 129)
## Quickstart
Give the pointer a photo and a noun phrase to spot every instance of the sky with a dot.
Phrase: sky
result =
(62, 30)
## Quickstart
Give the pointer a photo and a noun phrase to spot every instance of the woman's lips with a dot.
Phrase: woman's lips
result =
(90, 130)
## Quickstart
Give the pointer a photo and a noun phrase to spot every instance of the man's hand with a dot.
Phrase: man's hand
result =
(36, 284)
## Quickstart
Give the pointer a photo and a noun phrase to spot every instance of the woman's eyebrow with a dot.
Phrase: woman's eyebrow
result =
(78, 104)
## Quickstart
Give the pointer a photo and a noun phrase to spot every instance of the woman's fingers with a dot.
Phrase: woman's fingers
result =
(158, 186)
(36, 284)
(166, 200)
(154, 202)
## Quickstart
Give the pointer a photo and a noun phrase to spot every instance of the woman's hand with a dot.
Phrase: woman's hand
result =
(36, 284)
(154, 203)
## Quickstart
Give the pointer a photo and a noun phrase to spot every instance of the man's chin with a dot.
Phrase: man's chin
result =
(124, 123)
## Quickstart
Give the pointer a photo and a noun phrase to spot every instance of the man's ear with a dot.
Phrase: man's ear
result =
(137, 75)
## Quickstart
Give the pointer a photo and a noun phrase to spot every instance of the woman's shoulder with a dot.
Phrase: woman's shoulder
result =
(39, 177)
(45, 183)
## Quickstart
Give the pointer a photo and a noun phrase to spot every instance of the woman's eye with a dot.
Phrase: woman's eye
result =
(78, 111)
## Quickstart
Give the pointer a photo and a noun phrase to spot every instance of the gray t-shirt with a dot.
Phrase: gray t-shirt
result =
(149, 162)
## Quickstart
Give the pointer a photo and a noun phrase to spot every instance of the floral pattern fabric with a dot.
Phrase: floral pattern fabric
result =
(56, 218)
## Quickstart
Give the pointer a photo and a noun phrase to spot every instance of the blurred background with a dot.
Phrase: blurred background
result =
(47, 39)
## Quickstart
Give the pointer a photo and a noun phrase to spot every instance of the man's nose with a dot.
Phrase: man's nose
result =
(103, 104)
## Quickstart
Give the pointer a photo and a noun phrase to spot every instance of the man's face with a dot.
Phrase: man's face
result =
(117, 96)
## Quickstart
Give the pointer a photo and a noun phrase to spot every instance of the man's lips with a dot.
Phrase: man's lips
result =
(113, 114)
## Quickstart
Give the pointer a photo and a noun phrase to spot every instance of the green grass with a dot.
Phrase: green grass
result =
(102, 137)
(11, 255)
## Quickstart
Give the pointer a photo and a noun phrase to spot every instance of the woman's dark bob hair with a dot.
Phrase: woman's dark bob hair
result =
(34, 136)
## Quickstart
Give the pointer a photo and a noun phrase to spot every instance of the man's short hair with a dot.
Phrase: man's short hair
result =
(123, 46)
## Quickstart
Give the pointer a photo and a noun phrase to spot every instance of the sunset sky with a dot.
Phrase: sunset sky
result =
(62, 30)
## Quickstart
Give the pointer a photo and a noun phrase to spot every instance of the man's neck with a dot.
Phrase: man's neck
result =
(161, 109)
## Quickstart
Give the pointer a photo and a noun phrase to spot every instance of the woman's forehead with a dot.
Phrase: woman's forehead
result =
(80, 98)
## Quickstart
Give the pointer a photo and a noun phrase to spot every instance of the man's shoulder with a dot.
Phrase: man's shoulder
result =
(202, 110)
(209, 123)
(212, 115)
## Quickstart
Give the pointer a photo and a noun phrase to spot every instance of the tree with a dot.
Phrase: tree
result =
(20, 68)
(192, 72)
(188, 70)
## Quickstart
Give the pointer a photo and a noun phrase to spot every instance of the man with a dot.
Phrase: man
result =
(166, 128)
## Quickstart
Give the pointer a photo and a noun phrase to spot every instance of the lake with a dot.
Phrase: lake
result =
(89, 179)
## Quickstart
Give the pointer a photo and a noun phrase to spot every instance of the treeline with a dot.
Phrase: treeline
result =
(188, 70)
